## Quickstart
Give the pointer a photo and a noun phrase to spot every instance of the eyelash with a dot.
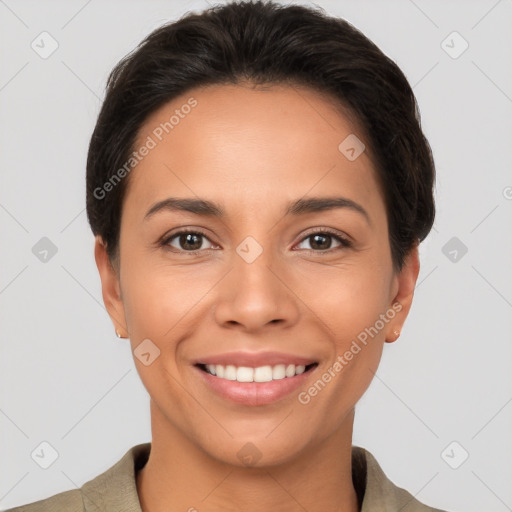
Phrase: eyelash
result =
(345, 243)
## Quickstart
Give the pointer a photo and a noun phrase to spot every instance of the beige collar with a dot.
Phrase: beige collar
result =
(115, 489)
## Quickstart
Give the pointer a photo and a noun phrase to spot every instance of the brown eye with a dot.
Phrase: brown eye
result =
(186, 241)
(320, 241)
(323, 241)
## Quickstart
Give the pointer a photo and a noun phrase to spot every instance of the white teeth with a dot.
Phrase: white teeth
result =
(230, 372)
(244, 374)
(278, 372)
(263, 374)
(259, 374)
(290, 370)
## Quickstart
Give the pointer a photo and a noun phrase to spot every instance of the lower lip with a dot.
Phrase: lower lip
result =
(254, 393)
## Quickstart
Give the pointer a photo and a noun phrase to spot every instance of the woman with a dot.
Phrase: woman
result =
(258, 183)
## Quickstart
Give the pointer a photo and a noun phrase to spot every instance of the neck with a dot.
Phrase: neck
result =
(180, 476)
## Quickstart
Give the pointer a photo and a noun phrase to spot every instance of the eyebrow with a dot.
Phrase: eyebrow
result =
(298, 207)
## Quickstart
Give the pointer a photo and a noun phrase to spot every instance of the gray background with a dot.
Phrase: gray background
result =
(67, 380)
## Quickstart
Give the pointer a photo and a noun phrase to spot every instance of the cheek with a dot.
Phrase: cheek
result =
(348, 297)
(161, 305)
(351, 304)
(162, 300)
(352, 301)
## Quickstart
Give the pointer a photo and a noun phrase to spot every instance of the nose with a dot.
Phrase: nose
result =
(256, 294)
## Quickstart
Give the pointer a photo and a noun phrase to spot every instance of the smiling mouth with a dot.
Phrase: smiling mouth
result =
(259, 374)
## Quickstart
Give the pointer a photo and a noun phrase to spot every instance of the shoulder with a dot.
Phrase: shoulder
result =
(114, 489)
(68, 501)
(379, 490)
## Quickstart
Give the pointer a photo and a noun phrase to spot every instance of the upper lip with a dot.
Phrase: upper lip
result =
(254, 359)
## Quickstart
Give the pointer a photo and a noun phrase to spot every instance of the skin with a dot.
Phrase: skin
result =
(253, 150)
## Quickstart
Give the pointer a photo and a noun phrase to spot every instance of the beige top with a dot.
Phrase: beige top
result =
(115, 490)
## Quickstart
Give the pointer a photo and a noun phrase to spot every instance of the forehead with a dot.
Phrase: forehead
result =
(256, 143)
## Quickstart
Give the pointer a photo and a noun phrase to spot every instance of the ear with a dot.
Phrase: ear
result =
(110, 287)
(403, 292)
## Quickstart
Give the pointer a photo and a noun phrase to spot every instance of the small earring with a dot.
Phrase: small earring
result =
(396, 332)
(118, 335)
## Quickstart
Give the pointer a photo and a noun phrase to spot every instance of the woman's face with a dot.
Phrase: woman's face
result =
(268, 278)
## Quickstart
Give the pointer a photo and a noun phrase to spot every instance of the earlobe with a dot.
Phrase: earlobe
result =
(406, 283)
(396, 335)
(110, 287)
